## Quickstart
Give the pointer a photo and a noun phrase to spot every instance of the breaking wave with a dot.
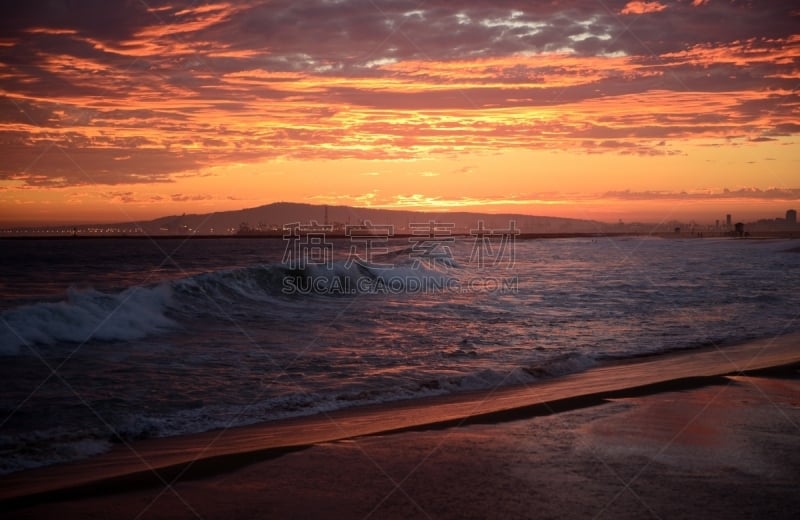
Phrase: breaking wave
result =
(87, 315)
(90, 315)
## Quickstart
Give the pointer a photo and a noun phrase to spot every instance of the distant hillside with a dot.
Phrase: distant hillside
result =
(272, 217)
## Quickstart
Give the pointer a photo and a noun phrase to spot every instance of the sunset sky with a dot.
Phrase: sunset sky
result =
(603, 109)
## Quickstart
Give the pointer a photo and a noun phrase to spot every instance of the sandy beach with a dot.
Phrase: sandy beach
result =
(711, 446)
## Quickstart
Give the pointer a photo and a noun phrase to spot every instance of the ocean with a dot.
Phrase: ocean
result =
(105, 340)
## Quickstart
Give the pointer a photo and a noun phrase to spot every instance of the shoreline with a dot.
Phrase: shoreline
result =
(153, 462)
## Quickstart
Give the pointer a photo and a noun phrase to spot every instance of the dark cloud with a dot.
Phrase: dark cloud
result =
(125, 197)
(346, 33)
(50, 164)
(179, 197)
(108, 21)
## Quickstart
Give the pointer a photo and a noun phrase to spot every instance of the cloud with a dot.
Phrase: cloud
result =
(124, 197)
(418, 200)
(741, 193)
(179, 197)
(146, 92)
(375, 199)
(638, 7)
(464, 170)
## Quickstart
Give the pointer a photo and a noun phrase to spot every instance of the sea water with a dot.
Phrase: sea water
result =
(110, 340)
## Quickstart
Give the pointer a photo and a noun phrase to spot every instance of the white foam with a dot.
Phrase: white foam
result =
(86, 315)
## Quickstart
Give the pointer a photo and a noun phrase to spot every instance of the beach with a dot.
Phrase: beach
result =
(339, 259)
(695, 437)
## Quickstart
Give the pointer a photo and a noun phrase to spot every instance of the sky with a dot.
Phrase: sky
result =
(601, 109)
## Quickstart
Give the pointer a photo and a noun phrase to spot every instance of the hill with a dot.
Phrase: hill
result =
(271, 218)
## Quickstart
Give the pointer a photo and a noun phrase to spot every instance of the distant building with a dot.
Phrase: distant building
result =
(728, 220)
(791, 217)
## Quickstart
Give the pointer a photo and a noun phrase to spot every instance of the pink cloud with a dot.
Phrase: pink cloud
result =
(638, 7)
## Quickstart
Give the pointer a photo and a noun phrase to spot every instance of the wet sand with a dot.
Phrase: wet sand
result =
(695, 445)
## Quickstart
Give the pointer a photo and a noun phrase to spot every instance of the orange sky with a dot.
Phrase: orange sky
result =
(606, 110)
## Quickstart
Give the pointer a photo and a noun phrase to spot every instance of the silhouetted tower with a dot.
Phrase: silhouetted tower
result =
(326, 215)
(728, 220)
(791, 217)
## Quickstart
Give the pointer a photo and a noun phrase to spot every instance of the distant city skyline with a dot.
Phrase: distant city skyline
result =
(640, 111)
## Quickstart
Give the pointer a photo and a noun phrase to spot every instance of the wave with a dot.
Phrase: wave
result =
(87, 315)
(44, 448)
(280, 283)
(56, 445)
(139, 311)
